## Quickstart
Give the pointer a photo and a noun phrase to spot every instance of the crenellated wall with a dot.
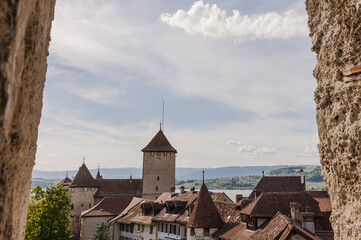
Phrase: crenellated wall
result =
(335, 29)
(24, 40)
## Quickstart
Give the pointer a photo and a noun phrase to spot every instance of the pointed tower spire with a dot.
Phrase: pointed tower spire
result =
(98, 174)
(83, 178)
(66, 173)
(203, 177)
(205, 213)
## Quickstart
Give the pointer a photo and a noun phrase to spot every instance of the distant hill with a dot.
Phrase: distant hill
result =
(181, 173)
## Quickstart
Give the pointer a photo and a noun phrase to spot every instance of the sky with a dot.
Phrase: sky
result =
(235, 75)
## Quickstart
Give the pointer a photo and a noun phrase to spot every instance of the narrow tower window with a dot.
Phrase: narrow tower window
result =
(158, 178)
(156, 188)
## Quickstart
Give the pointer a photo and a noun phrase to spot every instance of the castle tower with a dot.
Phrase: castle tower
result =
(158, 166)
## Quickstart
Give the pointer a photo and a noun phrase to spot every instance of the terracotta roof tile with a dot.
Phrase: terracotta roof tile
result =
(135, 201)
(278, 184)
(229, 211)
(268, 204)
(83, 178)
(159, 144)
(205, 213)
(108, 206)
(65, 182)
(281, 227)
(234, 231)
(118, 187)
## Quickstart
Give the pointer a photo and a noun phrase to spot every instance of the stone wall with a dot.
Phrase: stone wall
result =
(335, 29)
(158, 173)
(24, 41)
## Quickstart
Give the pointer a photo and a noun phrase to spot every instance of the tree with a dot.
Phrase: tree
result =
(48, 214)
(101, 231)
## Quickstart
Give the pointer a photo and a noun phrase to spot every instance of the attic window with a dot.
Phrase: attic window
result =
(159, 153)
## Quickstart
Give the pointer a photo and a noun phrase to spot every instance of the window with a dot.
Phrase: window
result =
(206, 232)
(151, 230)
(72, 206)
(138, 227)
(85, 189)
(159, 153)
(152, 154)
(90, 205)
(77, 219)
(165, 153)
(156, 188)
(72, 189)
(162, 227)
(166, 228)
(178, 230)
(142, 228)
(158, 227)
(158, 178)
(192, 232)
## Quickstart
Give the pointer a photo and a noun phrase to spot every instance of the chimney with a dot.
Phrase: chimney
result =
(182, 189)
(302, 177)
(239, 197)
(193, 189)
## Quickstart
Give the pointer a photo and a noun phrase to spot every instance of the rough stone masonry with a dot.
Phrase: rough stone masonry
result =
(24, 40)
(335, 29)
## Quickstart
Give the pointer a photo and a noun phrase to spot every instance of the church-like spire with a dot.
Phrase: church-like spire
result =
(159, 144)
(98, 174)
(83, 178)
(205, 213)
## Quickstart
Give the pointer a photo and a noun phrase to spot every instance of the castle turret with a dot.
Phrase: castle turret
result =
(158, 166)
(205, 219)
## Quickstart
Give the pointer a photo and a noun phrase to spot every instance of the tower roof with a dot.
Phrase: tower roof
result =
(66, 181)
(83, 178)
(205, 213)
(159, 144)
(98, 175)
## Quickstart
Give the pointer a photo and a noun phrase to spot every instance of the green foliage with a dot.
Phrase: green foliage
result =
(48, 214)
(315, 175)
(101, 231)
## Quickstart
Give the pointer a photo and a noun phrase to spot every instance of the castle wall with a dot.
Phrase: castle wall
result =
(158, 173)
(336, 39)
(24, 39)
(81, 200)
(88, 225)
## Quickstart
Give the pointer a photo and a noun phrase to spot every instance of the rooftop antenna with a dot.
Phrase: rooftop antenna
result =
(98, 166)
(83, 159)
(162, 125)
(66, 173)
(203, 176)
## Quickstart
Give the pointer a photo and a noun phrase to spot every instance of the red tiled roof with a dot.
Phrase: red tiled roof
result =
(278, 184)
(83, 178)
(65, 182)
(135, 201)
(268, 204)
(108, 206)
(119, 187)
(205, 213)
(281, 227)
(229, 211)
(234, 231)
(159, 144)
(323, 200)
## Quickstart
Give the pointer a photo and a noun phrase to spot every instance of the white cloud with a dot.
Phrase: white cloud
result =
(313, 147)
(236, 143)
(211, 21)
(251, 151)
